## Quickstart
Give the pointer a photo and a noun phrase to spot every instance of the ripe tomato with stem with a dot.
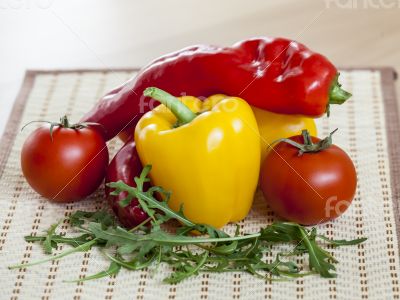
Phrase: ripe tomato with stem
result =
(308, 180)
(65, 162)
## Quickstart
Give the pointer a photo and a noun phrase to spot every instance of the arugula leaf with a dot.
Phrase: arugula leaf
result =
(319, 259)
(338, 243)
(133, 264)
(119, 236)
(56, 239)
(214, 251)
(148, 202)
(78, 218)
(81, 248)
(113, 269)
(47, 243)
(187, 270)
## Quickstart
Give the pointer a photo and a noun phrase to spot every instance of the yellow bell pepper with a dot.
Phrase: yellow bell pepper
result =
(207, 153)
(274, 126)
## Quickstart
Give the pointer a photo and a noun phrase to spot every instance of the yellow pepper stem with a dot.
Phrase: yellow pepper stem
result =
(180, 110)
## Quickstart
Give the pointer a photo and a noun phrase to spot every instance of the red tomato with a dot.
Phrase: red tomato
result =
(67, 168)
(310, 188)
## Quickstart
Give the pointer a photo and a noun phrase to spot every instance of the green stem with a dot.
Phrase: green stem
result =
(337, 95)
(140, 225)
(308, 145)
(180, 110)
(307, 137)
(164, 238)
(64, 122)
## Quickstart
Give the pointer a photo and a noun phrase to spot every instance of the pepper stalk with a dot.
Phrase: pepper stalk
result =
(180, 110)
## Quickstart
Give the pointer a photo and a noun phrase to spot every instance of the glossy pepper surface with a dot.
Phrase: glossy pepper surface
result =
(274, 74)
(273, 127)
(125, 166)
(207, 154)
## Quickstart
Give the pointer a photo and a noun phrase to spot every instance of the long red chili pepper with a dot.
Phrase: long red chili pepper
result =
(125, 166)
(274, 74)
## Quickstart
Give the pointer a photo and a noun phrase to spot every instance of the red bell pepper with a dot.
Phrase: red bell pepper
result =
(274, 74)
(125, 166)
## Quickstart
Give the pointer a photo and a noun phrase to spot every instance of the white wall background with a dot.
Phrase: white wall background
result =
(47, 34)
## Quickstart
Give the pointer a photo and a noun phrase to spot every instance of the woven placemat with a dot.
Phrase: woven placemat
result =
(369, 132)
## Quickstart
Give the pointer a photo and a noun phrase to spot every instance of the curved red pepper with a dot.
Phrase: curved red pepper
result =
(125, 166)
(274, 74)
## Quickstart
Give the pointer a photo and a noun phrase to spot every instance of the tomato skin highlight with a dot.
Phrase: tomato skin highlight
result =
(311, 188)
(67, 168)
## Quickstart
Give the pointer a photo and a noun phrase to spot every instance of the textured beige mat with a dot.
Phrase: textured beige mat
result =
(368, 130)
